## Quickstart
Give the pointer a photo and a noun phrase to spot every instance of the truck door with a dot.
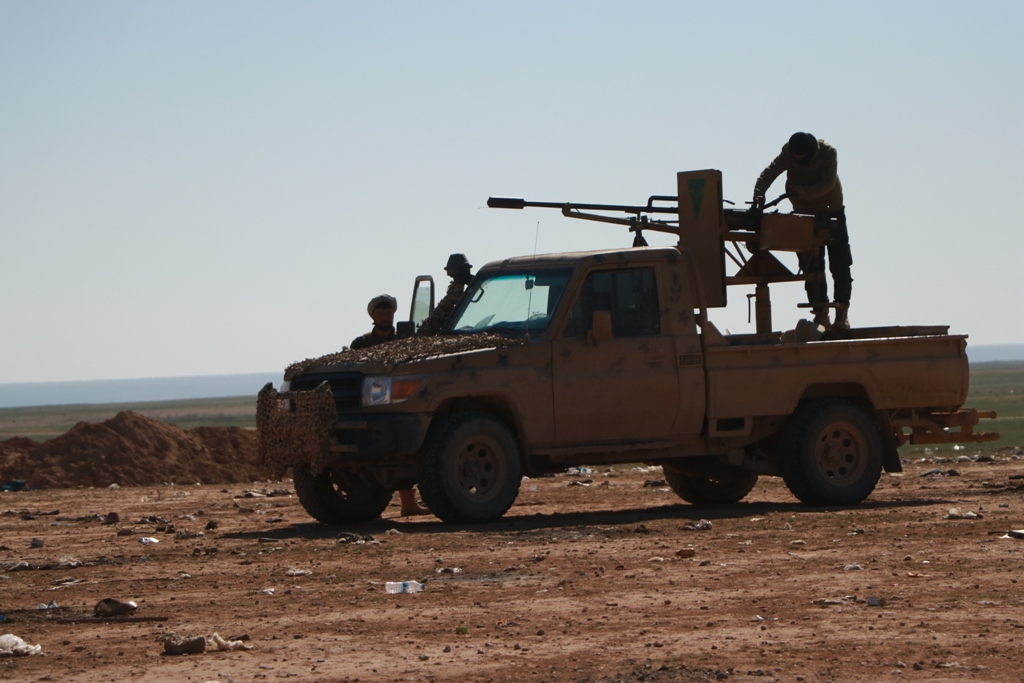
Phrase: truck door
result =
(615, 381)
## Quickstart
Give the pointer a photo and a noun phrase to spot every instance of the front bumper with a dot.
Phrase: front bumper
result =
(303, 428)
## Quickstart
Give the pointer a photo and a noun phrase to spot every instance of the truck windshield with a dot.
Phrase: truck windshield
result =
(516, 302)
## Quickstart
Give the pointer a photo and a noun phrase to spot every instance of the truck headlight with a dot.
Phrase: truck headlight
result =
(382, 391)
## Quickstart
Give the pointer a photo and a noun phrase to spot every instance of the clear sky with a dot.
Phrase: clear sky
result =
(195, 188)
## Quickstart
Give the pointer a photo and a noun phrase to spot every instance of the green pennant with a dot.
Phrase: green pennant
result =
(696, 194)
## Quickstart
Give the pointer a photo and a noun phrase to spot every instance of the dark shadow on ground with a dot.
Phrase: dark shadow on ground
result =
(568, 520)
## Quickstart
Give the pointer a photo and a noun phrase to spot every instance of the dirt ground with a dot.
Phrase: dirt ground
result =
(577, 583)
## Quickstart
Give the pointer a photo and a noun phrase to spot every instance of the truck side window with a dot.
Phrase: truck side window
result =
(630, 295)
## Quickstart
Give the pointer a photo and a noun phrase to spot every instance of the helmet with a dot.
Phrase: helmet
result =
(803, 143)
(382, 301)
(459, 268)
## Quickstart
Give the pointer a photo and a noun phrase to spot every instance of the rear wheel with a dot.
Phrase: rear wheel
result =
(731, 486)
(333, 498)
(831, 454)
(469, 470)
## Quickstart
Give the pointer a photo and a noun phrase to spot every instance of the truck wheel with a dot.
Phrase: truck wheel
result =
(335, 499)
(469, 470)
(724, 489)
(831, 454)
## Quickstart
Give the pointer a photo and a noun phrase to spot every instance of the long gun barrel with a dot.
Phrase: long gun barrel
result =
(517, 203)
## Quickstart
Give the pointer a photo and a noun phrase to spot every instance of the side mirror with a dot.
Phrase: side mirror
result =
(422, 300)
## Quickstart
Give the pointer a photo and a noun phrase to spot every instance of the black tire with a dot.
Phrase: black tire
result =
(469, 469)
(729, 487)
(335, 499)
(831, 453)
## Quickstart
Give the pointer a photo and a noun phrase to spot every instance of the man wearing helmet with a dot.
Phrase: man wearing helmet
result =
(813, 187)
(460, 271)
(382, 309)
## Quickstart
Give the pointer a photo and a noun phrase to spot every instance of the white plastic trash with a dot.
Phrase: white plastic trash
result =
(13, 646)
(403, 587)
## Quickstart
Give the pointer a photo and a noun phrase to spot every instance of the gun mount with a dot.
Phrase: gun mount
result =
(707, 229)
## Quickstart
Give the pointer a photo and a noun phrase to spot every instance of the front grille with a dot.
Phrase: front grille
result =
(347, 387)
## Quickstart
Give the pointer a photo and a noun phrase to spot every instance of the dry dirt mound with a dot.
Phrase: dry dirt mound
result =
(12, 448)
(133, 449)
(15, 446)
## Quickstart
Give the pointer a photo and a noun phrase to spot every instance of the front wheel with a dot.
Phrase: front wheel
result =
(469, 470)
(333, 498)
(722, 489)
(831, 453)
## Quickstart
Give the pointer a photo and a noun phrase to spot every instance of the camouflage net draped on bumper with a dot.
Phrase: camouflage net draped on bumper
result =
(294, 428)
(392, 353)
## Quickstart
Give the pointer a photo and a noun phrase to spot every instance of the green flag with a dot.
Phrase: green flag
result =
(696, 194)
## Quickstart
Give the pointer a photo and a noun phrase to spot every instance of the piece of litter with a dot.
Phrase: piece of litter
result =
(109, 607)
(229, 644)
(148, 540)
(957, 513)
(298, 572)
(403, 587)
(178, 645)
(13, 646)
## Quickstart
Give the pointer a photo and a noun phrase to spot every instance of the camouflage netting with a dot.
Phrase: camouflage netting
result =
(390, 354)
(299, 435)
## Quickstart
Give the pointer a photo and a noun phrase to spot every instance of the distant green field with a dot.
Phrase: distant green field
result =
(995, 386)
(45, 422)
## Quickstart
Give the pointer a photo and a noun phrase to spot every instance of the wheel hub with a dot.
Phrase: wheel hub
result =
(477, 466)
(840, 453)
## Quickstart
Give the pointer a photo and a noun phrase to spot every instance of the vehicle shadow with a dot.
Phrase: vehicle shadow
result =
(568, 520)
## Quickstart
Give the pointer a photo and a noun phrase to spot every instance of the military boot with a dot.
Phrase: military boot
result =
(821, 318)
(842, 322)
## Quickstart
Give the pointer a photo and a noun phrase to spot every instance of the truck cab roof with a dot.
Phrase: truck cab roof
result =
(575, 258)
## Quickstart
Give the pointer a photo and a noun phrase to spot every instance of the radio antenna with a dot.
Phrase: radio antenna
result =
(529, 301)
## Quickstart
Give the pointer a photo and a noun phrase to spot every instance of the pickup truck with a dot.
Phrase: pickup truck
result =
(602, 358)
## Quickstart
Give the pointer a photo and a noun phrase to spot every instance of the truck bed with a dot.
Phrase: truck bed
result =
(894, 371)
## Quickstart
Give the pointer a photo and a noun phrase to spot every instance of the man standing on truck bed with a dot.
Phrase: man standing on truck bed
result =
(382, 309)
(813, 186)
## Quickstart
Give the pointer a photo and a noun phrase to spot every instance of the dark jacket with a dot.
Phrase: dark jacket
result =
(371, 338)
(817, 180)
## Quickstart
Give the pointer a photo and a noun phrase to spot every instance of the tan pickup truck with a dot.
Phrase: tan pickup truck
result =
(606, 357)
